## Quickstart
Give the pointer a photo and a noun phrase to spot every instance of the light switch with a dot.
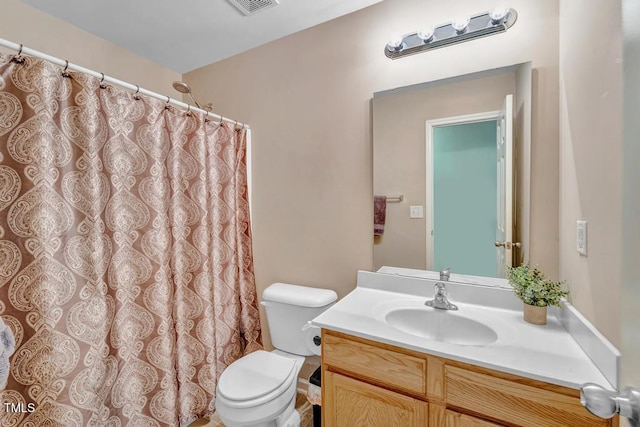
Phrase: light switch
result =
(416, 212)
(581, 237)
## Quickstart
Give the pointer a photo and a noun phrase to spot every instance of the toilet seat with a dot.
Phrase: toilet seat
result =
(255, 379)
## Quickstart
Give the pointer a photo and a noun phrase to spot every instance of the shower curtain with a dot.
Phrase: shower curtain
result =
(126, 271)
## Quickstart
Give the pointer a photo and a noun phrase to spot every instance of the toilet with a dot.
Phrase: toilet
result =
(260, 388)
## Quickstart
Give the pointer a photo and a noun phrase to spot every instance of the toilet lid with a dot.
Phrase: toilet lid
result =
(254, 375)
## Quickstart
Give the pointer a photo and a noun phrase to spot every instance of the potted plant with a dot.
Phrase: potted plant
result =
(536, 292)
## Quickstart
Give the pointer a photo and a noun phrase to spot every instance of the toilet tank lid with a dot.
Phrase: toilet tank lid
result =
(303, 296)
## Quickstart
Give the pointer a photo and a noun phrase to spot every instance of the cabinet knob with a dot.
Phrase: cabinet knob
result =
(605, 404)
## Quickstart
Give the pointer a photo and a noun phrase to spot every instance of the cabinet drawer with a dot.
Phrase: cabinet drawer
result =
(378, 365)
(514, 403)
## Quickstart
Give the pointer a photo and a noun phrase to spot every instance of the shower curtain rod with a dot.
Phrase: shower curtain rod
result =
(68, 65)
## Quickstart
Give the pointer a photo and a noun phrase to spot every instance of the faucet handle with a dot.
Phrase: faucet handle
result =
(444, 274)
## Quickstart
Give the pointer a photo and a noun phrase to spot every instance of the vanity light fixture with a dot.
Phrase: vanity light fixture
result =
(426, 34)
(395, 43)
(461, 24)
(459, 30)
(497, 15)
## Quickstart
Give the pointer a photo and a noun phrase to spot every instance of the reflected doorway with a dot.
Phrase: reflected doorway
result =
(469, 186)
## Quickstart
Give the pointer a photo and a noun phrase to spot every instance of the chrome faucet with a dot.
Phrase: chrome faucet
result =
(440, 301)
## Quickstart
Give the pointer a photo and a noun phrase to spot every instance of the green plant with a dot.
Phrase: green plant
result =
(533, 288)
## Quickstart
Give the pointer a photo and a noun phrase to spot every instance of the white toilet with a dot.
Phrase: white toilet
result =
(260, 388)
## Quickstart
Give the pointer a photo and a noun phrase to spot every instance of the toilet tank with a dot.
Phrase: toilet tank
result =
(289, 308)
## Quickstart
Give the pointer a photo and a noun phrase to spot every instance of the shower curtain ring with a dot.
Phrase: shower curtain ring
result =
(166, 106)
(135, 95)
(18, 59)
(102, 85)
(189, 110)
(66, 66)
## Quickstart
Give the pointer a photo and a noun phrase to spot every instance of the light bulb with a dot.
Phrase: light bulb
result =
(498, 14)
(426, 34)
(461, 24)
(395, 43)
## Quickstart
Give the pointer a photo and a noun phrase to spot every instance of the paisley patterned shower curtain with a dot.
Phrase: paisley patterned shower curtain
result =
(126, 271)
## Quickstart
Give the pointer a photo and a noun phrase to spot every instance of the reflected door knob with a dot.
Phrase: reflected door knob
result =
(605, 404)
(508, 245)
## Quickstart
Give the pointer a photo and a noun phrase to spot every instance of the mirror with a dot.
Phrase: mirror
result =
(437, 158)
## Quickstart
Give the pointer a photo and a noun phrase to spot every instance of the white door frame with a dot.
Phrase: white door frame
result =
(430, 126)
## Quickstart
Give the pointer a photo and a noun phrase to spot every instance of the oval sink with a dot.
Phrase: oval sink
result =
(441, 325)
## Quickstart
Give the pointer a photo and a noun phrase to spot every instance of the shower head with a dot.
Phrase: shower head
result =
(182, 87)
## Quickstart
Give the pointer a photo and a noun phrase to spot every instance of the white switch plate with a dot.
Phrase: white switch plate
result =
(416, 212)
(581, 237)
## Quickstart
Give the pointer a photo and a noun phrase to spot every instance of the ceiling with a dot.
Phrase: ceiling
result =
(183, 35)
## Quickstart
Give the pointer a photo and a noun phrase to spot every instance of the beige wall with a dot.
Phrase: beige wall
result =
(20, 23)
(307, 98)
(399, 154)
(522, 161)
(591, 158)
(631, 197)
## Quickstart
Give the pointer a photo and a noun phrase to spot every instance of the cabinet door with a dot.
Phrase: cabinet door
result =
(454, 419)
(515, 403)
(348, 402)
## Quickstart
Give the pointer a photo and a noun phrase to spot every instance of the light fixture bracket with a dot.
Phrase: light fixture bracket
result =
(480, 25)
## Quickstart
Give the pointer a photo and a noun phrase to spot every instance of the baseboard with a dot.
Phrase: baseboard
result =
(303, 386)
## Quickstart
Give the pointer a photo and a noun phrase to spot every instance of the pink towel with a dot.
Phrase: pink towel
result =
(379, 214)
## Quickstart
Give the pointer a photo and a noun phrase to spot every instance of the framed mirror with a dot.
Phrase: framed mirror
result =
(451, 171)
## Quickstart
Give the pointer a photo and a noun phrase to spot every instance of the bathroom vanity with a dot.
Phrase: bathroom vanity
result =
(387, 361)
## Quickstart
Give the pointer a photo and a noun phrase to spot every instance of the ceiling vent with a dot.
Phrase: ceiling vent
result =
(249, 7)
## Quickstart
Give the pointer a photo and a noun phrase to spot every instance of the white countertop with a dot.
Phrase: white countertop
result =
(546, 353)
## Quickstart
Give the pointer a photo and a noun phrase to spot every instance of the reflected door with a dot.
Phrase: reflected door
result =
(464, 198)
(504, 205)
(470, 192)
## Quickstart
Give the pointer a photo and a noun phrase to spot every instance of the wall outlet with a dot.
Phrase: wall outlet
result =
(416, 212)
(581, 237)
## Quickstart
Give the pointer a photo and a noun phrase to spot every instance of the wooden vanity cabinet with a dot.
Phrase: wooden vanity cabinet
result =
(367, 383)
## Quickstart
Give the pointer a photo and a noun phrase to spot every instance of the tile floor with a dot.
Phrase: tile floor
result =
(302, 406)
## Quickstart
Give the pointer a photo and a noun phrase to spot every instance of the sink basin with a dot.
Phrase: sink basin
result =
(441, 325)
